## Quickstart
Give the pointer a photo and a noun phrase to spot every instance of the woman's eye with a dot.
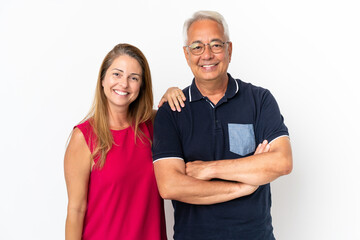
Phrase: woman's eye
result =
(135, 78)
(116, 74)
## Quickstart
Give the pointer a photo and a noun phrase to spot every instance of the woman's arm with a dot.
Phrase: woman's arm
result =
(77, 167)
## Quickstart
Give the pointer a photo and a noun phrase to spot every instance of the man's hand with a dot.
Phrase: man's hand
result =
(199, 169)
(202, 169)
(262, 147)
(175, 97)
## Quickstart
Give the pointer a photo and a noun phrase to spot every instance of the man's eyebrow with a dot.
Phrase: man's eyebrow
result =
(197, 41)
(216, 39)
(212, 40)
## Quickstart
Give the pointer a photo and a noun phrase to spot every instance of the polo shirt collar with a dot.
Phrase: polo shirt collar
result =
(232, 89)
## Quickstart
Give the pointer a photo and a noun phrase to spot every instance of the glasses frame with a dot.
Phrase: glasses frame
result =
(205, 44)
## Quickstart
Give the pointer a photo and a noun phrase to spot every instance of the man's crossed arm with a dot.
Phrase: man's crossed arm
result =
(257, 169)
(192, 182)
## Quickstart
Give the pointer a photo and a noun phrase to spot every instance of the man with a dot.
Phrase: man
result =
(205, 157)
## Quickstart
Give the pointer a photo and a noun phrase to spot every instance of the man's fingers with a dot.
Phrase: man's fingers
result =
(267, 148)
(258, 149)
(262, 147)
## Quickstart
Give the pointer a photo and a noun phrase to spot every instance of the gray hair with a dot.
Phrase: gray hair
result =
(211, 15)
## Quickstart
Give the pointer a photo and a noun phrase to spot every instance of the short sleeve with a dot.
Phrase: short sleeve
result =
(167, 143)
(270, 123)
(88, 133)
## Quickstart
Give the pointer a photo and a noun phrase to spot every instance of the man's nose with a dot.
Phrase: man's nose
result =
(207, 54)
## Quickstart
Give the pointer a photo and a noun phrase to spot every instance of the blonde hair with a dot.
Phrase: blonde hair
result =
(139, 111)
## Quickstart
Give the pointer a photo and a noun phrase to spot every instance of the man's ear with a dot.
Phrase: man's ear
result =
(229, 50)
(186, 53)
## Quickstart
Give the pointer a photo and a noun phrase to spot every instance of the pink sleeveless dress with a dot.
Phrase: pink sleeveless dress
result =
(123, 199)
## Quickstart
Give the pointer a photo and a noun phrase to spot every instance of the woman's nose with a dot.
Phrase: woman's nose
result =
(123, 81)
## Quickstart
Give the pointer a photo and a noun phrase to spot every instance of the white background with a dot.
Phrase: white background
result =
(305, 52)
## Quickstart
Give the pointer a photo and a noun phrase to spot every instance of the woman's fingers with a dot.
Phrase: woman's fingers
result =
(175, 98)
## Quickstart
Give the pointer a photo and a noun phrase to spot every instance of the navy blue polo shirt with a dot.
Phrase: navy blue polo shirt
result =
(232, 128)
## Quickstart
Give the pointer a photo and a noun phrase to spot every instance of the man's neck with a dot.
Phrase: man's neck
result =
(213, 90)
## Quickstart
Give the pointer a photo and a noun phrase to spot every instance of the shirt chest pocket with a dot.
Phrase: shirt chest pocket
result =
(241, 138)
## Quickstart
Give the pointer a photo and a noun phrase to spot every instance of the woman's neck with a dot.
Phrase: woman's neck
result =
(118, 119)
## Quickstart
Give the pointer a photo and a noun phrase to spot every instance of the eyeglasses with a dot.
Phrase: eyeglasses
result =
(197, 48)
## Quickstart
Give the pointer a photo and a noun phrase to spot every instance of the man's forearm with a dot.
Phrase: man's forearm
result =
(258, 169)
(207, 192)
(175, 185)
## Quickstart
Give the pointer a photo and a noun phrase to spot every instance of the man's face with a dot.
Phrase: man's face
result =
(208, 66)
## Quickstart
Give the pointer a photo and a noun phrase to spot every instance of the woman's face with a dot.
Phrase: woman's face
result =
(122, 82)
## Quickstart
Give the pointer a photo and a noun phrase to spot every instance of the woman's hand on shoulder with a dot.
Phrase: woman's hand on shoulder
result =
(175, 97)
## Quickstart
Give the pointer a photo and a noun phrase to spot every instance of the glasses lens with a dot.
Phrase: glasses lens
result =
(197, 48)
(216, 46)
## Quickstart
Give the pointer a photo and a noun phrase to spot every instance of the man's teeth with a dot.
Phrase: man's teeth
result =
(209, 65)
(121, 93)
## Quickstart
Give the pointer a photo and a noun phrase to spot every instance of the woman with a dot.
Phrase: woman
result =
(108, 163)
